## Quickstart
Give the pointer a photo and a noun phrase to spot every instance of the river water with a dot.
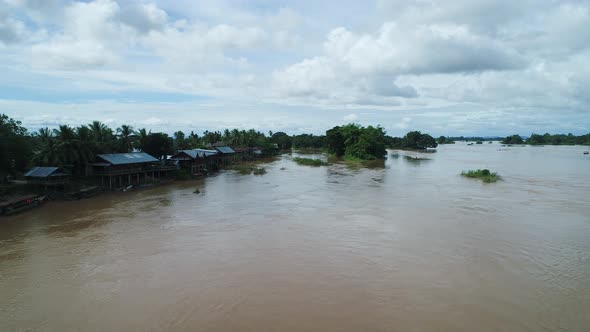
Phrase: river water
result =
(408, 246)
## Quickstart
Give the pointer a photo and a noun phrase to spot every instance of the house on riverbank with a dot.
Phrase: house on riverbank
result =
(197, 161)
(226, 155)
(47, 177)
(118, 170)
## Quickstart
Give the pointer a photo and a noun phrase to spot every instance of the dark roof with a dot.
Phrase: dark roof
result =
(225, 149)
(127, 158)
(43, 172)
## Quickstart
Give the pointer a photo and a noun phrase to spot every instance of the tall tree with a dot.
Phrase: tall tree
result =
(125, 136)
(67, 144)
(15, 146)
(158, 145)
(141, 138)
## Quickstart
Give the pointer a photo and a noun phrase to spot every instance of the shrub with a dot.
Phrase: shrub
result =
(310, 162)
(483, 174)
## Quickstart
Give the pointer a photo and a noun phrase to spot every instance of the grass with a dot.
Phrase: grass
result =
(483, 174)
(310, 162)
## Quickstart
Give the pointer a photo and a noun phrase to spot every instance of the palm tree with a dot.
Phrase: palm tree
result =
(103, 137)
(141, 137)
(86, 146)
(47, 154)
(44, 134)
(67, 143)
(126, 135)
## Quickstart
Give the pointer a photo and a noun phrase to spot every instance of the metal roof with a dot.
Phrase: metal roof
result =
(43, 172)
(194, 154)
(225, 149)
(207, 152)
(127, 158)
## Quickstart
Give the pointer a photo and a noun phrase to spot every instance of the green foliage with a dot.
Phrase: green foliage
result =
(15, 146)
(514, 139)
(568, 139)
(308, 141)
(158, 145)
(125, 138)
(355, 141)
(283, 140)
(483, 174)
(335, 141)
(310, 162)
(259, 171)
(444, 140)
(414, 140)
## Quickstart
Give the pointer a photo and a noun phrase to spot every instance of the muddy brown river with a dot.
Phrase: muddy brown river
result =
(408, 246)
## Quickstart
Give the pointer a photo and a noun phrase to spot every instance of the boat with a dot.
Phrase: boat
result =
(586, 152)
(83, 193)
(21, 203)
(129, 187)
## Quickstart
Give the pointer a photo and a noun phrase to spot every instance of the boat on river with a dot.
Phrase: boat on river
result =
(83, 193)
(21, 203)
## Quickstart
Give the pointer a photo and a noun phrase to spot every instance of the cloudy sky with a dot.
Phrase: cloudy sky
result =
(462, 67)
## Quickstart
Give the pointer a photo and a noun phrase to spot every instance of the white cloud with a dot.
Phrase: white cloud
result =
(418, 60)
(350, 117)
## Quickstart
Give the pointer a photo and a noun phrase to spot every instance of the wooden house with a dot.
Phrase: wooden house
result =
(117, 170)
(47, 176)
(226, 155)
(197, 161)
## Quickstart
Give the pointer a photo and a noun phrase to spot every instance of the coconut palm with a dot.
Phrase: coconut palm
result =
(44, 134)
(86, 145)
(47, 154)
(126, 136)
(141, 138)
(67, 143)
(103, 137)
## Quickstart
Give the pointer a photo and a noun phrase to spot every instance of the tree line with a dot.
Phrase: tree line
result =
(74, 147)
(548, 139)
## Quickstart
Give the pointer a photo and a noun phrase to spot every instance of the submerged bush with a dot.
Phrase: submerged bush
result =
(246, 169)
(259, 171)
(310, 162)
(483, 174)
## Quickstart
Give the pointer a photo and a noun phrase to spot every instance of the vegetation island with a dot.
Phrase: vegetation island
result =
(483, 174)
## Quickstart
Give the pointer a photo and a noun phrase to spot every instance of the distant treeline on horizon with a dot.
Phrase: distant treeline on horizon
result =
(74, 147)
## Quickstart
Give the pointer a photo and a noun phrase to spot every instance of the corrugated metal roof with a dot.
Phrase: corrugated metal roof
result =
(127, 158)
(43, 172)
(194, 154)
(207, 152)
(225, 149)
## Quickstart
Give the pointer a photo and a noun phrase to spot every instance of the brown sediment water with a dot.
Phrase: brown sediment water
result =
(411, 246)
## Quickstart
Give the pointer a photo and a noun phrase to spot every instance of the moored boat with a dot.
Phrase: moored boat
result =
(21, 203)
(83, 193)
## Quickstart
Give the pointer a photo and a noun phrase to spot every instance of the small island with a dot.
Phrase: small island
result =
(310, 162)
(483, 174)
